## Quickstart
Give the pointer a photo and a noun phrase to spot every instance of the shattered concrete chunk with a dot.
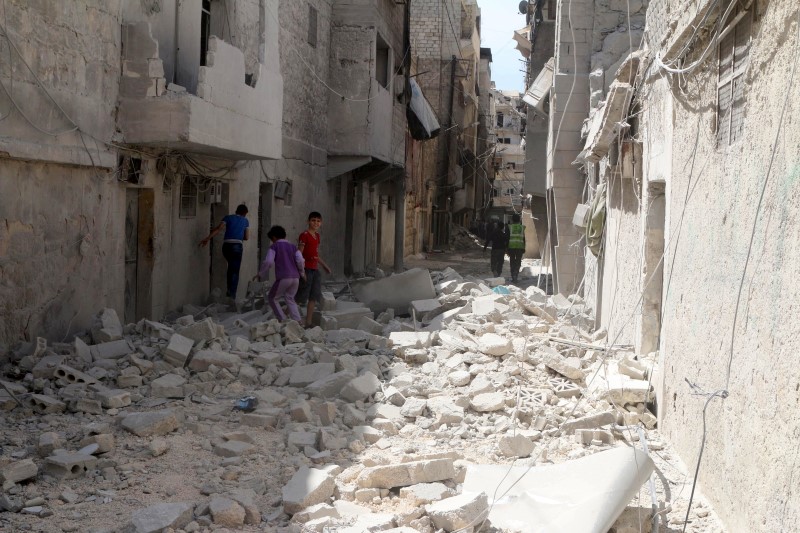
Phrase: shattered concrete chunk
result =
(151, 423)
(106, 326)
(459, 512)
(361, 387)
(18, 471)
(404, 474)
(493, 344)
(308, 486)
(226, 512)
(203, 359)
(177, 351)
(305, 375)
(159, 517)
(488, 402)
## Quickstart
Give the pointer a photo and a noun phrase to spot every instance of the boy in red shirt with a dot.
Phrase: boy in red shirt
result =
(308, 244)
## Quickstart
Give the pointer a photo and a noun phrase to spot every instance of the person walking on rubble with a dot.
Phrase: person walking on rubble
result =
(516, 245)
(308, 244)
(289, 268)
(237, 231)
(498, 239)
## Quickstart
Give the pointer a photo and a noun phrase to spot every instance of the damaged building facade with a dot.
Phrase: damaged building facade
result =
(445, 39)
(130, 128)
(671, 173)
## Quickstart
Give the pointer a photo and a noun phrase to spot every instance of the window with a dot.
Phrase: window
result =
(512, 166)
(337, 190)
(205, 30)
(382, 66)
(312, 26)
(734, 49)
(188, 208)
(499, 120)
(506, 140)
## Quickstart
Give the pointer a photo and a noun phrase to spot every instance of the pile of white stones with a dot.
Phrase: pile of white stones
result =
(378, 425)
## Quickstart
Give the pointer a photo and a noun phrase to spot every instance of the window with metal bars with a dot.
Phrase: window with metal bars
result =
(188, 208)
(734, 49)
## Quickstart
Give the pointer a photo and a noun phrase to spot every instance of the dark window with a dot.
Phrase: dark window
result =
(499, 120)
(734, 49)
(205, 30)
(188, 207)
(312, 26)
(382, 67)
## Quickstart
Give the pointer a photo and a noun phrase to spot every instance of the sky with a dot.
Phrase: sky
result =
(499, 19)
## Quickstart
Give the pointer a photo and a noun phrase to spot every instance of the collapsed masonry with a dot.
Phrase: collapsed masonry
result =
(373, 429)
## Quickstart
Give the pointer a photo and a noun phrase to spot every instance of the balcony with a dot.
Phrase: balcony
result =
(368, 124)
(225, 117)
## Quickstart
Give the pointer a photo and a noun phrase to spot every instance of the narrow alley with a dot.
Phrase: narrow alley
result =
(431, 266)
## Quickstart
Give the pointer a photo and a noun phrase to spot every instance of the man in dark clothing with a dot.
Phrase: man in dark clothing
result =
(498, 239)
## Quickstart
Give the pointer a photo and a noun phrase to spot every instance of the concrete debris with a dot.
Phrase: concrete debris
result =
(406, 411)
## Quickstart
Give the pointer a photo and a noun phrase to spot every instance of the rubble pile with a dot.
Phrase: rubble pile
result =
(292, 429)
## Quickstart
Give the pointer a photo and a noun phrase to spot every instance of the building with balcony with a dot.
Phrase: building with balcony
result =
(132, 127)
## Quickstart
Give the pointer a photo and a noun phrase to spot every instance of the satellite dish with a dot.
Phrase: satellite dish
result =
(523, 7)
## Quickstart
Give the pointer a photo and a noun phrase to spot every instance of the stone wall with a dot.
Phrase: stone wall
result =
(732, 231)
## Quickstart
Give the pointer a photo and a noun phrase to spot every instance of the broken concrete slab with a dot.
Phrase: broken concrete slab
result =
(361, 387)
(405, 474)
(459, 512)
(585, 494)
(151, 423)
(111, 350)
(308, 486)
(305, 375)
(177, 351)
(18, 471)
(203, 359)
(493, 344)
(396, 291)
(160, 517)
(106, 326)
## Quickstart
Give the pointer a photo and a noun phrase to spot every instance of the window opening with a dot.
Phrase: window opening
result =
(382, 59)
(188, 208)
(312, 26)
(734, 49)
(205, 30)
(499, 120)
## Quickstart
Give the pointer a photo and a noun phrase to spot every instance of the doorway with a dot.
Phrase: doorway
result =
(264, 219)
(139, 253)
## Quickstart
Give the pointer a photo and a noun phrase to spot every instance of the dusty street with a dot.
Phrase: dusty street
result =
(371, 429)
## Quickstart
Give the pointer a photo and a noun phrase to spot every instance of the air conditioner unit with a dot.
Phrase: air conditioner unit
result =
(213, 194)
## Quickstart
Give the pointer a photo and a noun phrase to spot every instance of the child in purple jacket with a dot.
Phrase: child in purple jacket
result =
(289, 268)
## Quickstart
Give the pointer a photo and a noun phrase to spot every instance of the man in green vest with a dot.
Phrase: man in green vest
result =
(516, 245)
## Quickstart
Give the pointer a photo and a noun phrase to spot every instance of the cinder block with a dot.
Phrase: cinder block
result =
(45, 404)
(69, 466)
(72, 376)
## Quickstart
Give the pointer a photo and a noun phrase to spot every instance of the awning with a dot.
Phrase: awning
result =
(537, 93)
(338, 165)
(523, 38)
(422, 121)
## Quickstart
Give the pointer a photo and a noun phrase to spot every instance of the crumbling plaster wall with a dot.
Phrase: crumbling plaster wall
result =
(60, 231)
(74, 49)
(61, 248)
(730, 293)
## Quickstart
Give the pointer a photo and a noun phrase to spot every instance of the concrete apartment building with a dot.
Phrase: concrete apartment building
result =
(130, 128)
(445, 38)
(509, 155)
(681, 147)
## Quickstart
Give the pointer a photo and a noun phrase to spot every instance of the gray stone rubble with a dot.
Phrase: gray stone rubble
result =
(368, 429)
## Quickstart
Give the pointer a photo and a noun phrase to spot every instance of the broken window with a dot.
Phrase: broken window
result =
(382, 59)
(499, 120)
(205, 30)
(312, 26)
(734, 49)
(511, 166)
(188, 207)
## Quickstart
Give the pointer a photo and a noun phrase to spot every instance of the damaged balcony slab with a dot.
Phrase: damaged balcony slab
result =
(606, 122)
(586, 494)
(227, 118)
